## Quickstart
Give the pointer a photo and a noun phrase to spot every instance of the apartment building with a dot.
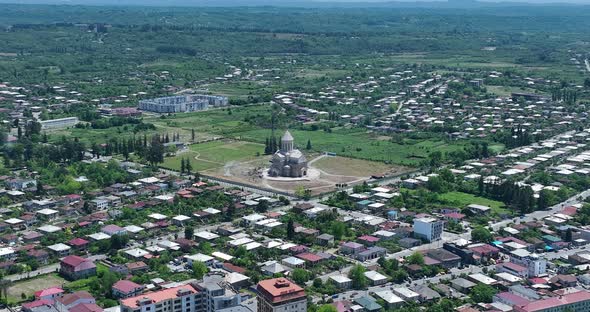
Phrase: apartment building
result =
(184, 298)
(217, 293)
(577, 301)
(183, 103)
(280, 295)
(60, 123)
(428, 228)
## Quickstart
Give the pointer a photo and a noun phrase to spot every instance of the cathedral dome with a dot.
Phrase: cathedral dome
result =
(287, 136)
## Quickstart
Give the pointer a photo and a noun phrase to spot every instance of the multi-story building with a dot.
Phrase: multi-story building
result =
(66, 302)
(536, 265)
(184, 298)
(75, 267)
(428, 228)
(183, 103)
(60, 123)
(577, 301)
(280, 295)
(217, 294)
(126, 289)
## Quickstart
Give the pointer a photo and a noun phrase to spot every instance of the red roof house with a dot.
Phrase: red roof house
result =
(74, 267)
(126, 289)
(49, 293)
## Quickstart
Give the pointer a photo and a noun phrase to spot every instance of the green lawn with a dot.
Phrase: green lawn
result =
(461, 200)
(215, 154)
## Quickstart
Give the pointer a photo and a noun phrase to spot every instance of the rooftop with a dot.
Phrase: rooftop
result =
(158, 296)
(554, 302)
(280, 289)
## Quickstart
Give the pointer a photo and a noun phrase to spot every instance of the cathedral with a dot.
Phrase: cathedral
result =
(288, 161)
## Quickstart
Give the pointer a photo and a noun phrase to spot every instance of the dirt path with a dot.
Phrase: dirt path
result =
(206, 160)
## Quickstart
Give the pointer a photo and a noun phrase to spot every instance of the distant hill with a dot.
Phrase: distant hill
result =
(299, 3)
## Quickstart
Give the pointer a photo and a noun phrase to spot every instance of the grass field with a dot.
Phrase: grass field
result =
(218, 121)
(506, 90)
(364, 146)
(461, 200)
(355, 144)
(29, 287)
(215, 154)
(354, 167)
(239, 89)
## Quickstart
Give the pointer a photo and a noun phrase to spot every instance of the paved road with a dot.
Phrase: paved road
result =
(43, 270)
(544, 213)
(564, 253)
(46, 270)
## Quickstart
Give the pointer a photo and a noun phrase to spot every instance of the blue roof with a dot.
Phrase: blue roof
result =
(497, 243)
(369, 303)
(551, 238)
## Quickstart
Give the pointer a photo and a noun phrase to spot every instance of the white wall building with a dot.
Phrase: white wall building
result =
(184, 298)
(60, 123)
(428, 228)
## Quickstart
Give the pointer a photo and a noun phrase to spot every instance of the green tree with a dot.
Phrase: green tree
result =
(546, 198)
(308, 147)
(357, 275)
(482, 235)
(480, 186)
(483, 293)
(199, 269)
(231, 211)
(435, 159)
(262, 206)
(119, 241)
(317, 283)
(443, 305)
(415, 258)
(338, 229)
(4, 286)
(206, 248)
(300, 276)
(327, 308)
(290, 229)
(189, 232)
(107, 280)
(399, 276)
(155, 153)
(188, 167)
